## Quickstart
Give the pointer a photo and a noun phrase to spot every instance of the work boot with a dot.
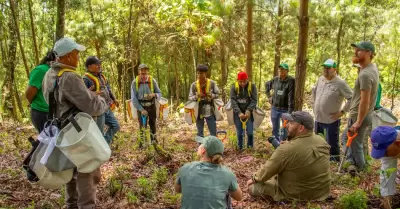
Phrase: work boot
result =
(352, 170)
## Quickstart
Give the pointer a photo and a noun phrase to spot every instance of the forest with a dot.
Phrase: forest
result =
(172, 37)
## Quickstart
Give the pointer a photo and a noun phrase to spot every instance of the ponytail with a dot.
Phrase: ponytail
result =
(50, 57)
(216, 159)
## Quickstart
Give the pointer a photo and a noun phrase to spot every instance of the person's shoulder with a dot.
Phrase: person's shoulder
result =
(291, 78)
(44, 67)
(225, 170)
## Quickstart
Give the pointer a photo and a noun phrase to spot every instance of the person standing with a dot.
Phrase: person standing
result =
(144, 92)
(244, 99)
(363, 102)
(204, 91)
(327, 96)
(72, 94)
(34, 94)
(96, 81)
(282, 99)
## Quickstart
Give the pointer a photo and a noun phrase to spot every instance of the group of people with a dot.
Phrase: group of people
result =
(298, 169)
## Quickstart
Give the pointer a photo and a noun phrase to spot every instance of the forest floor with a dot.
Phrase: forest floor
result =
(136, 178)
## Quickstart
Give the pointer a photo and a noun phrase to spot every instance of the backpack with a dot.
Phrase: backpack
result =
(149, 82)
(248, 88)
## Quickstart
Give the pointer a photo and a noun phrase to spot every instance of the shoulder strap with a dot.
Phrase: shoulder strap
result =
(94, 79)
(149, 82)
(249, 87)
(52, 95)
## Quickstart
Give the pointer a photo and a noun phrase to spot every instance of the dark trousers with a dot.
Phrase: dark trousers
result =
(151, 120)
(38, 118)
(331, 133)
(240, 131)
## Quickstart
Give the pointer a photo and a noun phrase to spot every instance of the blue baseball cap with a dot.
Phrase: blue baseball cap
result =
(381, 138)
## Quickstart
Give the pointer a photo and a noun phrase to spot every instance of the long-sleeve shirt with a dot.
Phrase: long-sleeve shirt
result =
(302, 167)
(283, 96)
(137, 96)
(242, 101)
(328, 96)
(205, 103)
(71, 92)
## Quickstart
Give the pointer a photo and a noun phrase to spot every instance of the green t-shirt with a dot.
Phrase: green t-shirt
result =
(205, 185)
(35, 80)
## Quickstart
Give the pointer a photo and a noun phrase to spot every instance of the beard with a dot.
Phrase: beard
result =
(291, 135)
(355, 60)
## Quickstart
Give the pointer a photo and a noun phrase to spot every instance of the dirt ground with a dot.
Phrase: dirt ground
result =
(137, 178)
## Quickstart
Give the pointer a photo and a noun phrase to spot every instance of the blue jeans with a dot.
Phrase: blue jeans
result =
(113, 126)
(356, 153)
(100, 120)
(211, 123)
(276, 118)
(331, 133)
(240, 131)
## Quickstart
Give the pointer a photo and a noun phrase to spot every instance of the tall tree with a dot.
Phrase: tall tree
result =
(278, 37)
(249, 49)
(14, 12)
(301, 61)
(35, 47)
(60, 25)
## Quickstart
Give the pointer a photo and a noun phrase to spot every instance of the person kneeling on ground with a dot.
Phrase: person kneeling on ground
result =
(207, 183)
(385, 142)
(298, 169)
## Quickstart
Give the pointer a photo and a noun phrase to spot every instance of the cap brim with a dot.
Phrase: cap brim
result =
(200, 139)
(357, 46)
(378, 153)
(287, 116)
(80, 48)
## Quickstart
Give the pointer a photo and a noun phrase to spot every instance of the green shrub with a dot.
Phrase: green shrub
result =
(160, 176)
(171, 199)
(145, 187)
(114, 186)
(354, 200)
(132, 198)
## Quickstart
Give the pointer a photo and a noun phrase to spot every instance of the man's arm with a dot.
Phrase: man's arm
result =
(291, 95)
(178, 188)
(347, 93)
(234, 103)
(157, 90)
(77, 93)
(268, 87)
(134, 98)
(253, 98)
(215, 91)
(30, 93)
(273, 166)
(192, 92)
(364, 105)
(237, 194)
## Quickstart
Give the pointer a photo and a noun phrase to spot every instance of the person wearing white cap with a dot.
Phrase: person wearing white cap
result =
(327, 97)
(66, 94)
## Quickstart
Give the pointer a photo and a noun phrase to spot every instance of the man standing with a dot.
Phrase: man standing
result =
(96, 81)
(71, 94)
(362, 102)
(244, 100)
(144, 92)
(282, 99)
(328, 95)
(204, 91)
(299, 169)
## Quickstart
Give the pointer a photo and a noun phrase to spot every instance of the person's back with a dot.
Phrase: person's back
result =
(306, 175)
(206, 185)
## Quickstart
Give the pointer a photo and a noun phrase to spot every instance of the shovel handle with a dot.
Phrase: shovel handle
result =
(284, 123)
(144, 118)
(244, 123)
(350, 137)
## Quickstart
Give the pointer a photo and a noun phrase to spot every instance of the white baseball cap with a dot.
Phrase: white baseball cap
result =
(66, 45)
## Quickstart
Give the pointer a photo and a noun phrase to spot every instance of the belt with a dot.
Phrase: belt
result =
(281, 108)
(146, 103)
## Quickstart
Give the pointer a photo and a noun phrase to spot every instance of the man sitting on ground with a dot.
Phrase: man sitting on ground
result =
(207, 183)
(298, 169)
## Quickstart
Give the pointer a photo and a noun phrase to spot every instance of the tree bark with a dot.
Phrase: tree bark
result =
(14, 12)
(394, 86)
(224, 76)
(60, 25)
(338, 41)
(249, 49)
(177, 87)
(35, 47)
(301, 62)
(278, 38)
(97, 40)
(8, 99)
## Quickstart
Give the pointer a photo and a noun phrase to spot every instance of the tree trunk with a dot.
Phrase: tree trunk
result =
(177, 87)
(394, 86)
(8, 98)
(278, 38)
(97, 43)
(338, 40)
(224, 76)
(18, 101)
(301, 62)
(249, 50)
(35, 47)
(14, 11)
(60, 25)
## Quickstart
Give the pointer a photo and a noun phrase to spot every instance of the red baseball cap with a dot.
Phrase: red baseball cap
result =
(242, 76)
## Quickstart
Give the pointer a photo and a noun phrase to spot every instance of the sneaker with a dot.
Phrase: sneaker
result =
(352, 169)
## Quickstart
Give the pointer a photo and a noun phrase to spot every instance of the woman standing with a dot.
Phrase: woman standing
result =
(34, 95)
